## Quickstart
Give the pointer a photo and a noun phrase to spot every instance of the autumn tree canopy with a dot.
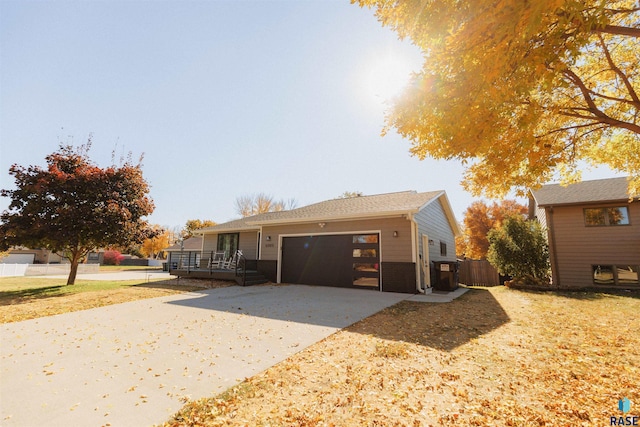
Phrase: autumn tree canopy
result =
(520, 91)
(152, 246)
(73, 206)
(479, 219)
(254, 204)
(194, 224)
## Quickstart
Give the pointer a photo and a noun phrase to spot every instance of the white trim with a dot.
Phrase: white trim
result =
(415, 251)
(431, 200)
(281, 236)
(425, 262)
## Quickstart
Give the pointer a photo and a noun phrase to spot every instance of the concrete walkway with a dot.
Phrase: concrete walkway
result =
(133, 364)
(438, 296)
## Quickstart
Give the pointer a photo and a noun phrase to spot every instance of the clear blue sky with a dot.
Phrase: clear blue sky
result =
(224, 98)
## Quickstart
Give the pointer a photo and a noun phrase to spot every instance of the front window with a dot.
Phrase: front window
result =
(594, 217)
(228, 243)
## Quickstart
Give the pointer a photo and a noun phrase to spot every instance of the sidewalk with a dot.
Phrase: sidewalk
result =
(119, 275)
(438, 296)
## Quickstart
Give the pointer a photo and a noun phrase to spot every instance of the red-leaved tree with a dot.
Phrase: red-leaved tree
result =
(73, 206)
(112, 258)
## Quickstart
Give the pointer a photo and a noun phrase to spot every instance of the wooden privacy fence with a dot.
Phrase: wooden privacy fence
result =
(479, 272)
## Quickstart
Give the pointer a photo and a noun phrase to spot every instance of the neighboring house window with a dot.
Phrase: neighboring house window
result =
(615, 274)
(443, 248)
(606, 216)
(228, 243)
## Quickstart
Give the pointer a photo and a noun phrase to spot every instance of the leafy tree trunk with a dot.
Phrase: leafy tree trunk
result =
(75, 258)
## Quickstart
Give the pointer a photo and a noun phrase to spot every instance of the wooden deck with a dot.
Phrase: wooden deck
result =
(252, 277)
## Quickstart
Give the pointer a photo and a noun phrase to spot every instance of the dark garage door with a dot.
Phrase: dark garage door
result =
(347, 260)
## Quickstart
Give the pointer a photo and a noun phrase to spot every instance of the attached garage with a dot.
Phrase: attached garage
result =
(342, 260)
(383, 242)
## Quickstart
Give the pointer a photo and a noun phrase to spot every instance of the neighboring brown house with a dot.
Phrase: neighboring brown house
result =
(594, 233)
(385, 242)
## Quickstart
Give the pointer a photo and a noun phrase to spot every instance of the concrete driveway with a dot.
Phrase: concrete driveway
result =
(133, 364)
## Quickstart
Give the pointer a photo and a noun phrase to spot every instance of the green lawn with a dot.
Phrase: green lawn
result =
(23, 288)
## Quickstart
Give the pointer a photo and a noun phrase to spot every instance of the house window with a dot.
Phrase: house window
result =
(365, 253)
(615, 274)
(366, 260)
(228, 242)
(365, 238)
(594, 217)
(443, 248)
(603, 275)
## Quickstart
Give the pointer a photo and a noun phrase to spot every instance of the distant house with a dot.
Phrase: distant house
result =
(23, 255)
(176, 251)
(384, 242)
(594, 233)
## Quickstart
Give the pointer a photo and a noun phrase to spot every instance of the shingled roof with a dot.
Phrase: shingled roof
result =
(600, 190)
(379, 205)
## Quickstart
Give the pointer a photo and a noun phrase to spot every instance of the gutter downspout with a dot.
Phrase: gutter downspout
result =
(415, 252)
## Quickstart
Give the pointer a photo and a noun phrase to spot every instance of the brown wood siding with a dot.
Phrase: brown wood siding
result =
(399, 277)
(268, 269)
(578, 247)
(392, 249)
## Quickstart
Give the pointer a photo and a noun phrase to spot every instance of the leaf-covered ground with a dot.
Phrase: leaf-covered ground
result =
(494, 357)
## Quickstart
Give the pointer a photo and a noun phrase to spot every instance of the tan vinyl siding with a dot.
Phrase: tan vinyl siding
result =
(393, 249)
(210, 243)
(248, 243)
(578, 247)
(433, 222)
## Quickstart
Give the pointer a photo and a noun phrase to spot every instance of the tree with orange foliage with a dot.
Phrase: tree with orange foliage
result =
(479, 220)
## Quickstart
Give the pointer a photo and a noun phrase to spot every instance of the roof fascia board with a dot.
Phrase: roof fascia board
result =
(333, 218)
(229, 230)
(587, 202)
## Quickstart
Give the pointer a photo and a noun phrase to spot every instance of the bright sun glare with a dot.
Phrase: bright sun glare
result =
(387, 75)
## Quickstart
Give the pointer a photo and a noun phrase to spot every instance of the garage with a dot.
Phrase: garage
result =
(19, 259)
(341, 260)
